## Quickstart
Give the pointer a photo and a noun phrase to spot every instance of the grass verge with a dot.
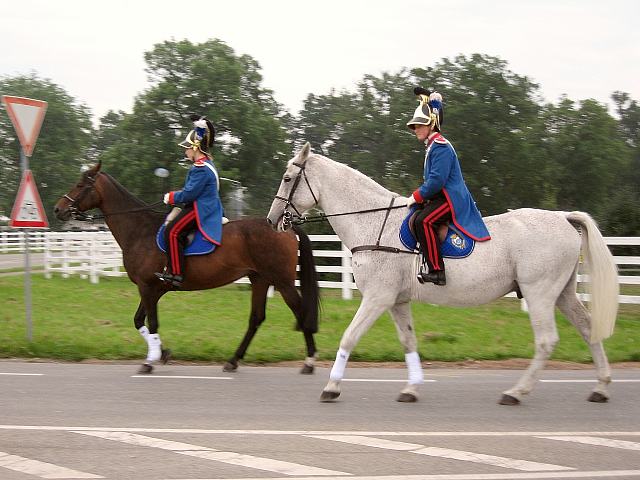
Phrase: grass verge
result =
(75, 320)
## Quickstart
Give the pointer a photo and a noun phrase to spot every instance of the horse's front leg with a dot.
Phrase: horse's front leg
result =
(371, 307)
(149, 308)
(401, 314)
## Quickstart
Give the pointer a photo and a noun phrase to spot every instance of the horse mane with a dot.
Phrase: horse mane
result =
(124, 191)
(358, 174)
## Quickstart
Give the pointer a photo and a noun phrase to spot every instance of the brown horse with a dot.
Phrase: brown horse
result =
(250, 248)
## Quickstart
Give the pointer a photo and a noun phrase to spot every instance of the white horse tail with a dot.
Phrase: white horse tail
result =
(600, 266)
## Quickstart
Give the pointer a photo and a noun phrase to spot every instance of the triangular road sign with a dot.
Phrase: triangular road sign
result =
(28, 211)
(27, 116)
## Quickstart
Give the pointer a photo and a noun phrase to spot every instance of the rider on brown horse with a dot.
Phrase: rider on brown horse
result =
(201, 198)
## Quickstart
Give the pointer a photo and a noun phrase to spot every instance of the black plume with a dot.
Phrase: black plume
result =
(421, 91)
(194, 118)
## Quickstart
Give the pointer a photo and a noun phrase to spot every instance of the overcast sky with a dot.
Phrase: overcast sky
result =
(94, 49)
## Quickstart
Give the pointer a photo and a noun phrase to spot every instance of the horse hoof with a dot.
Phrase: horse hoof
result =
(329, 396)
(597, 397)
(145, 368)
(165, 356)
(508, 400)
(230, 367)
(307, 369)
(407, 398)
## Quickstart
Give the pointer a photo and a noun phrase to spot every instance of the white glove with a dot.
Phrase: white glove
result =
(225, 220)
(410, 201)
(166, 198)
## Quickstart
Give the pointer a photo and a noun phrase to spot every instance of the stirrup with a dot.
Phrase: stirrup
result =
(437, 277)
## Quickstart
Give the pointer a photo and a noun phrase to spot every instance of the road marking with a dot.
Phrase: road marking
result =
(601, 442)
(40, 469)
(444, 453)
(202, 431)
(379, 380)
(182, 376)
(619, 380)
(465, 476)
(22, 374)
(233, 458)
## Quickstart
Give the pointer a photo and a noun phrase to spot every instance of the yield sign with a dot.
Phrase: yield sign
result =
(27, 116)
(27, 211)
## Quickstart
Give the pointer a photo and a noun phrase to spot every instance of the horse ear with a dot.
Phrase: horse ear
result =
(98, 166)
(304, 153)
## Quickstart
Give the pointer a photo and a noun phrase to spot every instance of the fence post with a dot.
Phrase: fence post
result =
(347, 280)
(47, 257)
(93, 258)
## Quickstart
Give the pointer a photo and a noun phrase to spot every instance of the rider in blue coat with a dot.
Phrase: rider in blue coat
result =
(201, 198)
(444, 196)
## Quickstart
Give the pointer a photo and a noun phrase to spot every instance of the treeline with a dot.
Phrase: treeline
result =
(516, 151)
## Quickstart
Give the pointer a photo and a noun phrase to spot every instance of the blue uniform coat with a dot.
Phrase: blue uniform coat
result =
(442, 173)
(201, 188)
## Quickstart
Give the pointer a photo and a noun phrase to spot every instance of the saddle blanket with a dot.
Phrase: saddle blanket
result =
(455, 245)
(196, 243)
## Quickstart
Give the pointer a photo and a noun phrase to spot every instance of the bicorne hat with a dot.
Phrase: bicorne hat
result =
(201, 137)
(429, 112)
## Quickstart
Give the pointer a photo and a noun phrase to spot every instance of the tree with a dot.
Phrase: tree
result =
(206, 79)
(61, 147)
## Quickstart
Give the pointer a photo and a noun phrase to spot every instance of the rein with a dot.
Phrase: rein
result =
(83, 217)
(289, 218)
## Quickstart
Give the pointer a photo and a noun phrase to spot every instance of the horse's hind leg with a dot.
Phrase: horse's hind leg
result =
(149, 307)
(542, 316)
(572, 308)
(259, 288)
(294, 302)
(401, 314)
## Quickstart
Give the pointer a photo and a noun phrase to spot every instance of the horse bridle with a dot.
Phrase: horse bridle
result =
(73, 208)
(288, 218)
(78, 215)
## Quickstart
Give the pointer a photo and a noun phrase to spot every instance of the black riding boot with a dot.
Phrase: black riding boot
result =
(436, 277)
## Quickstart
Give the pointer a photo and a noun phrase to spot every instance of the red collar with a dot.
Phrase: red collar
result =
(433, 137)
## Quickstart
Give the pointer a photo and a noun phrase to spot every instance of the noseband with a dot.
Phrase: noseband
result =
(289, 218)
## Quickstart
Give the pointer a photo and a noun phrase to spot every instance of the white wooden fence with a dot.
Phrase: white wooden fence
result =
(96, 254)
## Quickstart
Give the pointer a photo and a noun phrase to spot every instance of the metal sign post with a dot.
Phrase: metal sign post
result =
(27, 115)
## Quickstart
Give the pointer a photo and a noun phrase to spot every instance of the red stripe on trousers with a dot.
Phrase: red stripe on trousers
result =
(432, 245)
(173, 241)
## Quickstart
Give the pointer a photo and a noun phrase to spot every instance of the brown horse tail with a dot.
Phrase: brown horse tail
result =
(308, 283)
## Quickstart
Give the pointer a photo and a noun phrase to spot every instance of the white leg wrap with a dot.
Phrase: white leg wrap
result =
(144, 331)
(154, 354)
(337, 372)
(415, 368)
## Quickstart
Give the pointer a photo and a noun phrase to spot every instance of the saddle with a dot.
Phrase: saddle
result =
(453, 242)
(196, 243)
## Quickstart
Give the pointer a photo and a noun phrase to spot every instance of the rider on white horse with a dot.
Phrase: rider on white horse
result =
(443, 197)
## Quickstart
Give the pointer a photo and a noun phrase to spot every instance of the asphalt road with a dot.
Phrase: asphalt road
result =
(196, 422)
(16, 260)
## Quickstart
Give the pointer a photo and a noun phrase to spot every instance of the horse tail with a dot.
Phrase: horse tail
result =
(604, 287)
(308, 282)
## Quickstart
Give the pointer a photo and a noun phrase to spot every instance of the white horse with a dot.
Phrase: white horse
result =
(535, 251)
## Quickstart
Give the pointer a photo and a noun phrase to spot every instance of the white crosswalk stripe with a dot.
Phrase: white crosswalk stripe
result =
(601, 442)
(40, 469)
(504, 462)
(233, 458)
